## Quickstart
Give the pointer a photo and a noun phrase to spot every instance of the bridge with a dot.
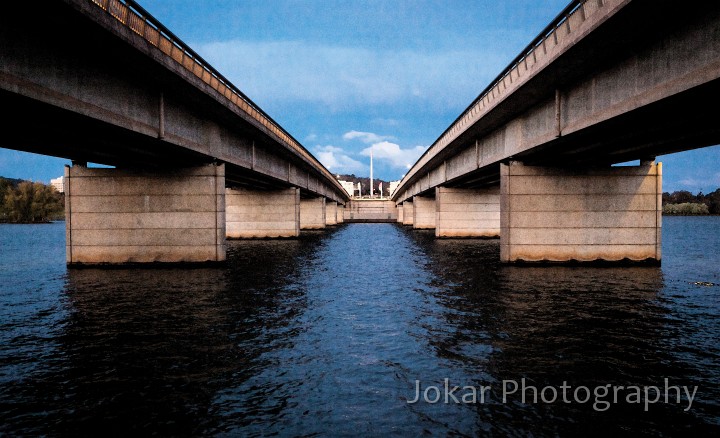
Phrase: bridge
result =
(195, 160)
(531, 159)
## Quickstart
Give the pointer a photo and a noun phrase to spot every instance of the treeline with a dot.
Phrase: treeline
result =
(685, 203)
(29, 202)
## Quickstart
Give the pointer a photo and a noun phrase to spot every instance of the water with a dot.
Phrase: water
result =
(328, 334)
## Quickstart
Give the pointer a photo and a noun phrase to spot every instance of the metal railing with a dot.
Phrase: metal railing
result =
(137, 19)
(573, 15)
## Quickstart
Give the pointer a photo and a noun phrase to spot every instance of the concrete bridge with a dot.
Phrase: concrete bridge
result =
(608, 81)
(195, 159)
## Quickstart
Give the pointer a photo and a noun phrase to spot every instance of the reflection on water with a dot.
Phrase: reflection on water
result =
(328, 334)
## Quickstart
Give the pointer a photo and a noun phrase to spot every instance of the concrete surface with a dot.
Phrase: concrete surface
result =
(560, 215)
(312, 214)
(118, 216)
(423, 213)
(408, 213)
(370, 210)
(262, 213)
(467, 212)
(330, 213)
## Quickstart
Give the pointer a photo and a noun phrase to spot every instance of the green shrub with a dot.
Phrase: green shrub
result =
(686, 208)
(30, 202)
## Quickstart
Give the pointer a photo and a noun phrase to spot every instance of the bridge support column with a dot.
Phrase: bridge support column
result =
(408, 211)
(563, 215)
(312, 213)
(423, 212)
(400, 213)
(116, 216)
(330, 213)
(467, 212)
(340, 211)
(262, 214)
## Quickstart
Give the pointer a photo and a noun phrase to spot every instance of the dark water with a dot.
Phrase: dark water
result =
(328, 334)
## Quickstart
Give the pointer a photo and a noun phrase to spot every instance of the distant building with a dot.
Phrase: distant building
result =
(348, 186)
(58, 183)
(392, 186)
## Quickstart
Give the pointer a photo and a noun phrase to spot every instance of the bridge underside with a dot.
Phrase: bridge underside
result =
(616, 81)
(81, 83)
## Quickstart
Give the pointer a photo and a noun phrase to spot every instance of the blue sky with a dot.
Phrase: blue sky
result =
(342, 76)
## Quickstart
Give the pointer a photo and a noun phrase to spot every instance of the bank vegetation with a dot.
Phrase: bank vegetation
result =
(29, 202)
(685, 203)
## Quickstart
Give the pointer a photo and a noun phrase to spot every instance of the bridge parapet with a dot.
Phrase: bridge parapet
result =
(130, 15)
(578, 19)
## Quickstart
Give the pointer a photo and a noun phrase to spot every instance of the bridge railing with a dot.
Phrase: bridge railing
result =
(568, 20)
(134, 17)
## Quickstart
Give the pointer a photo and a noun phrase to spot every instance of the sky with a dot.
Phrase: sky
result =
(344, 76)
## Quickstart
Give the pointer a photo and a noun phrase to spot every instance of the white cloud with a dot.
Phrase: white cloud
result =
(365, 137)
(394, 154)
(336, 160)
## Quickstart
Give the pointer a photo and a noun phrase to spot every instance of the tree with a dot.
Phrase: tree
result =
(681, 197)
(31, 203)
(712, 200)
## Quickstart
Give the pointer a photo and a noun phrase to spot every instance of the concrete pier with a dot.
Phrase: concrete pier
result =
(561, 215)
(467, 212)
(408, 213)
(370, 210)
(330, 213)
(312, 213)
(340, 213)
(116, 216)
(262, 214)
(400, 213)
(423, 212)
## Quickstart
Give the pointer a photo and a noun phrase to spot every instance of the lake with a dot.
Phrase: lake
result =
(361, 329)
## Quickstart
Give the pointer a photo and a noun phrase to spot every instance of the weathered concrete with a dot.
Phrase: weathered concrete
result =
(596, 88)
(340, 213)
(370, 210)
(109, 88)
(312, 214)
(118, 216)
(560, 215)
(262, 214)
(400, 213)
(330, 213)
(467, 212)
(423, 212)
(408, 213)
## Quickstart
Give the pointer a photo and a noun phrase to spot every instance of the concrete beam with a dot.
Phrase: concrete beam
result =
(116, 216)
(467, 212)
(312, 213)
(596, 89)
(562, 215)
(262, 214)
(423, 212)
(132, 90)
